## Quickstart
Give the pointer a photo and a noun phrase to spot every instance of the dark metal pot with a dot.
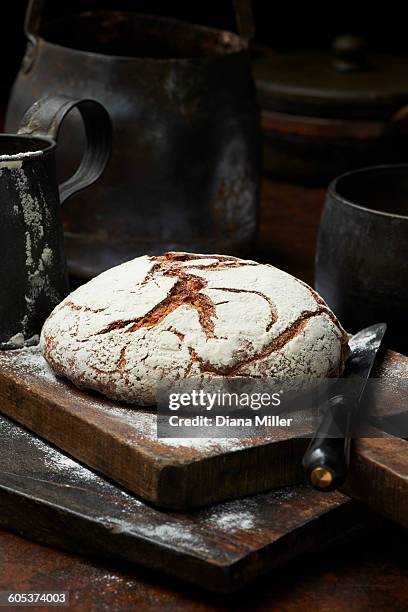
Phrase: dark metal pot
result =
(362, 252)
(184, 171)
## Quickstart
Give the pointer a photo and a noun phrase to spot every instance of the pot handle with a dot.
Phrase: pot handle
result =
(44, 119)
(32, 21)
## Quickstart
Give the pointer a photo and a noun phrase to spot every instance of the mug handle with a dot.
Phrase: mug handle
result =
(45, 118)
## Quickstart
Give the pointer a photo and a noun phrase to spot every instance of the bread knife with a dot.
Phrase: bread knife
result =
(326, 461)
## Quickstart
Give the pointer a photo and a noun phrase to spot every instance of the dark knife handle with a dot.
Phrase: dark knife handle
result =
(326, 461)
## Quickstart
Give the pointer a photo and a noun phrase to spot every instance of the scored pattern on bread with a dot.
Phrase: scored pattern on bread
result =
(182, 314)
(186, 291)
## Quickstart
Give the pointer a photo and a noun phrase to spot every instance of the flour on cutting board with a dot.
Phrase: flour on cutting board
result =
(121, 507)
(234, 521)
(18, 341)
(145, 422)
(54, 460)
(171, 534)
(30, 362)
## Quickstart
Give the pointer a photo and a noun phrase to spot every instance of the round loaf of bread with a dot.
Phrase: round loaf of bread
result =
(184, 315)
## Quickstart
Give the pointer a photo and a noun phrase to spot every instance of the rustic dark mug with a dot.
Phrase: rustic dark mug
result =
(33, 277)
(362, 252)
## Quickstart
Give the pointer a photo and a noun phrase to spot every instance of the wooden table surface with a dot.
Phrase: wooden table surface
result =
(368, 573)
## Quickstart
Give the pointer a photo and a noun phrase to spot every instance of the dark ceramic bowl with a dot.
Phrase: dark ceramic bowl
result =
(362, 252)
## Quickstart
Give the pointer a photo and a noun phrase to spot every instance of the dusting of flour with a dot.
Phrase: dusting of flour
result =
(39, 256)
(29, 363)
(54, 460)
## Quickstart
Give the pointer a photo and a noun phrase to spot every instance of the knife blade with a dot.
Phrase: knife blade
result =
(326, 461)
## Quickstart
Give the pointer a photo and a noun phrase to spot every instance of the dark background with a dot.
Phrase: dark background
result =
(283, 27)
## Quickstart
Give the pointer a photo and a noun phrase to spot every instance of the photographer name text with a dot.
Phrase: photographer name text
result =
(226, 421)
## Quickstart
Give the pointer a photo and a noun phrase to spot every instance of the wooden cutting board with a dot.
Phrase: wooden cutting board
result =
(378, 476)
(46, 496)
(120, 441)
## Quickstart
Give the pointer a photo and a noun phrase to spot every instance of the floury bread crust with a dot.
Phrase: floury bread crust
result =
(186, 315)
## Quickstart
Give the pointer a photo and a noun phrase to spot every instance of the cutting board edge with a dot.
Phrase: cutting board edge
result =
(215, 577)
